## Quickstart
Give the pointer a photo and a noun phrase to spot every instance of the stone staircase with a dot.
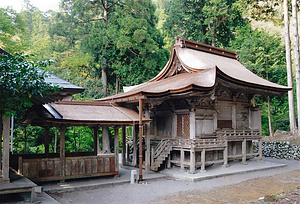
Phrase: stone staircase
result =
(160, 153)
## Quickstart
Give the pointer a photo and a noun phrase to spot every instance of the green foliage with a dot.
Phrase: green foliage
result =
(211, 22)
(264, 55)
(79, 139)
(126, 44)
(12, 29)
(20, 81)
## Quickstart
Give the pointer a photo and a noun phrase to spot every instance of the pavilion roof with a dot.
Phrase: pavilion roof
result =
(66, 89)
(82, 113)
(196, 66)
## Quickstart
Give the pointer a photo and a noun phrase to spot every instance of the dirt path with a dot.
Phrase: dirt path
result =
(264, 189)
(241, 188)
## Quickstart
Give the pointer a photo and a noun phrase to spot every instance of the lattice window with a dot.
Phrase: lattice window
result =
(183, 125)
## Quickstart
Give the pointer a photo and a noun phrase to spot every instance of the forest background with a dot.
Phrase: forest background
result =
(103, 45)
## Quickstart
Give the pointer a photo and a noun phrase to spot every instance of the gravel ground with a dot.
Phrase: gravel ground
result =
(254, 187)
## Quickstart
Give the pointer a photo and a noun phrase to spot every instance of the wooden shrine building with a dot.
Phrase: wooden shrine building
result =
(198, 111)
(202, 109)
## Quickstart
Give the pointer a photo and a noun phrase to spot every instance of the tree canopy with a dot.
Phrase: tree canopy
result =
(20, 81)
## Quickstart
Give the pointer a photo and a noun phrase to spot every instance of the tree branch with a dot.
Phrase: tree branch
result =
(90, 20)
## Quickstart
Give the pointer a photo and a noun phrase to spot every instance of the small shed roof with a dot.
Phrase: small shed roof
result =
(82, 113)
(196, 66)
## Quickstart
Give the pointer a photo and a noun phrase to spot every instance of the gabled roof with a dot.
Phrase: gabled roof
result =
(82, 113)
(196, 66)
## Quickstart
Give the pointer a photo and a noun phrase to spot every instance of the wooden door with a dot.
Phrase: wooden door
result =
(183, 125)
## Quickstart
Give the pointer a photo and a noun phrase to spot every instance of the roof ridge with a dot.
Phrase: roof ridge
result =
(184, 43)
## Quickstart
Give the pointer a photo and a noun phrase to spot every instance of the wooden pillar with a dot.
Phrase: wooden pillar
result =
(116, 148)
(46, 140)
(97, 149)
(234, 147)
(134, 143)
(225, 154)
(181, 159)
(192, 124)
(174, 125)
(105, 140)
(192, 160)
(123, 145)
(260, 150)
(244, 151)
(233, 108)
(62, 144)
(147, 136)
(203, 161)
(5, 156)
(140, 140)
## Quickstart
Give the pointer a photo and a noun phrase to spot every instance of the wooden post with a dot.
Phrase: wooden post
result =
(20, 165)
(260, 150)
(5, 156)
(192, 160)
(97, 149)
(134, 144)
(140, 140)
(147, 135)
(225, 154)
(105, 140)
(116, 148)
(62, 144)
(123, 145)
(233, 116)
(46, 140)
(181, 159)
(192, 124)
(244, 151)
(203, 161)
(152, 156)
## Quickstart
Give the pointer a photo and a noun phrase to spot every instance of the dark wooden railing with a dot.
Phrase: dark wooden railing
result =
(41, 169)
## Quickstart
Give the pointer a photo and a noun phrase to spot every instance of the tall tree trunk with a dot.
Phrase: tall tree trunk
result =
(291, 99)
(270, 120)
(117, 84)
(296, 50)
(104, 61)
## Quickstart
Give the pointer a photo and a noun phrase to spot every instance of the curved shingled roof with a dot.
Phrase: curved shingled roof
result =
(196, 66)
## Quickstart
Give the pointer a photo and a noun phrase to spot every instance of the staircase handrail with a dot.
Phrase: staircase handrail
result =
(160, 147)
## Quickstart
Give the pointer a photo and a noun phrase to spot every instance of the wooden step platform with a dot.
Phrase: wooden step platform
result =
(20, 184)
